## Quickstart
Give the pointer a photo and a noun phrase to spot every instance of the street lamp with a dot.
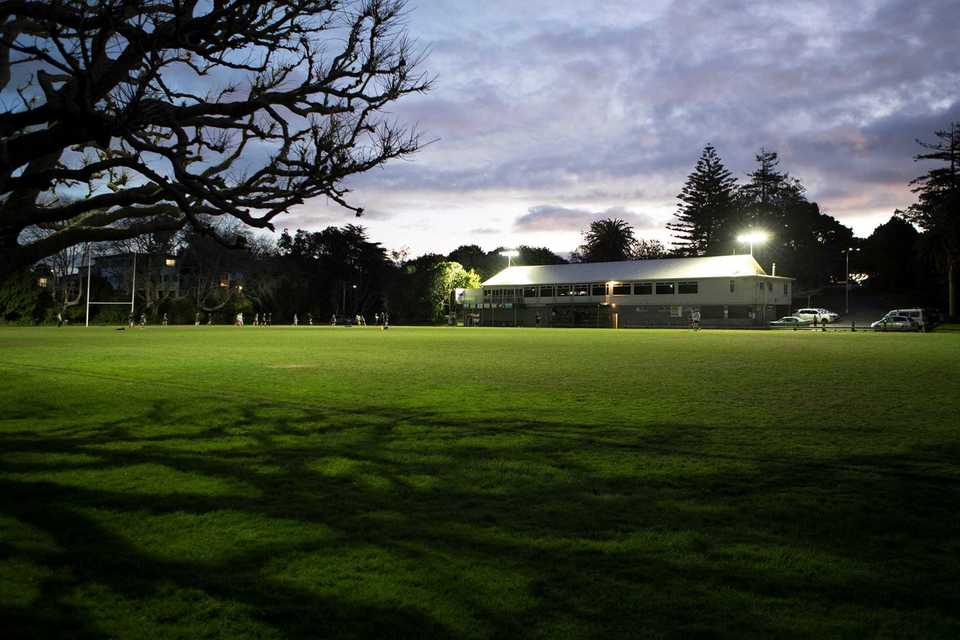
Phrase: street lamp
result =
(846, 283)
(752, 238)
(508, 254)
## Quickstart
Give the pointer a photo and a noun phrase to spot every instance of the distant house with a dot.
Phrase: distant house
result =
(157, 276)
(726, 290)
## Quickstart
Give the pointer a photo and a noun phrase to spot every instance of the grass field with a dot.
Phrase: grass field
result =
(429, 483)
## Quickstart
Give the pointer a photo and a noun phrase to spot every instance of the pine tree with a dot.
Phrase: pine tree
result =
(937, 210)
(768, 188)
(706, 201)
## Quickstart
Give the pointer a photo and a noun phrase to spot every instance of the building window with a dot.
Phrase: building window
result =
(770, 287)
(564, 290)
(170, 262)
(42, 283)
(665, 288)
(687, 287)
(530, 292)
(621, 289)
(642, 288)
(581, 289)
(786, 290)
(546, 292)
(732, 285)
(598, 289)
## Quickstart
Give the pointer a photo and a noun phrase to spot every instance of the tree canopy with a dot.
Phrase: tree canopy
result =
(706, 204)
(937, 209)
(613, 240)
(137, 116)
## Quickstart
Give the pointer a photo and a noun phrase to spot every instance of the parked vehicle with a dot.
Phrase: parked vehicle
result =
(921, 317)
(895, 323)
(819, 314)
(790, 321)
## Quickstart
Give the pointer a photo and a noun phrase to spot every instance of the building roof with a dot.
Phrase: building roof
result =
(663, 269)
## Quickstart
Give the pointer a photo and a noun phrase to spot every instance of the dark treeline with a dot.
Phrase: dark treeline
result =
(338, 271)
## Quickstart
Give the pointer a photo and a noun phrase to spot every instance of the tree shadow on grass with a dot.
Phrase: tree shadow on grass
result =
(297, 522)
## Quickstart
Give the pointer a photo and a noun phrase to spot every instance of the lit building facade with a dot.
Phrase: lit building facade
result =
(728, 291)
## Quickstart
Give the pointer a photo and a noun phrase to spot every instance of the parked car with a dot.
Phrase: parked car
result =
(895, 323)
(790, 321)
(819, 314)
(921, 317)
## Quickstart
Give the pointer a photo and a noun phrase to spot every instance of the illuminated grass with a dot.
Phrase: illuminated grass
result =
(319, 482)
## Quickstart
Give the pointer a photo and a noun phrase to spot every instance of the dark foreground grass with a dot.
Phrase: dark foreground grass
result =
(432, 483)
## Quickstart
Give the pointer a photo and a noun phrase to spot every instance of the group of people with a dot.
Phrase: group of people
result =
(133, 321)
(379, 319)
(259, 319)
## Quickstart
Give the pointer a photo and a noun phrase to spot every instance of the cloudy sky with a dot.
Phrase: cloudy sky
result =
(547, 114)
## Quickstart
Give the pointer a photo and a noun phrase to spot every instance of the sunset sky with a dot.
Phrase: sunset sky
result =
(548, 114)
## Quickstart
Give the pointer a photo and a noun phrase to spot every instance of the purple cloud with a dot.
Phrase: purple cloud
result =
(555, 218)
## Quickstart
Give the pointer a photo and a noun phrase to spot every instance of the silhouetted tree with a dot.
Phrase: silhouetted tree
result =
(471, 256)
(537, 256)
(171, 113)
(706, 204)
(937, 209)
(607, 240)
(649, 250)
(889, 256)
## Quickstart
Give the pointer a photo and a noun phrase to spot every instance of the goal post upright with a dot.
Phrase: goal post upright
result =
(133, 288)
(89, 266)
(133, 283)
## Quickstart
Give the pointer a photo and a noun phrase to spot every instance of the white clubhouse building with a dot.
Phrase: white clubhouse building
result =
(726, 290)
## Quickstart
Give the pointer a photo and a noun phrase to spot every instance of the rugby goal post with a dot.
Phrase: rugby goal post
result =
(133, 287)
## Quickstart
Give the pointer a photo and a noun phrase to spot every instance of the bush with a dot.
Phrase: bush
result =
(22, 302)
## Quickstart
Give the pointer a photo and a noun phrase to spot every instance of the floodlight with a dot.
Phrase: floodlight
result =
(508, 254)
(753, 237)
(171, 262)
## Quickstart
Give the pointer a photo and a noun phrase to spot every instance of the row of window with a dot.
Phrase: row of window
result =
(597, 289)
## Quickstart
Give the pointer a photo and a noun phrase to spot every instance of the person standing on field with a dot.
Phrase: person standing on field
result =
(163, 322)
(295, 321)
(196, 319)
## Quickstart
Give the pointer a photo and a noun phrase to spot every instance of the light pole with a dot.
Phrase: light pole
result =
(846, 283)
(753, 237)
(508, 254)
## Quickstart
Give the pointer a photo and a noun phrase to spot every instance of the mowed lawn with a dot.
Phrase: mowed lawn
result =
(215, 482)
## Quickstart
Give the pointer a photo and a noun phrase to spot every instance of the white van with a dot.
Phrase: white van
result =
(918, 316)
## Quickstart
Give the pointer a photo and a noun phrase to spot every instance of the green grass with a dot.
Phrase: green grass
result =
(480, 483)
